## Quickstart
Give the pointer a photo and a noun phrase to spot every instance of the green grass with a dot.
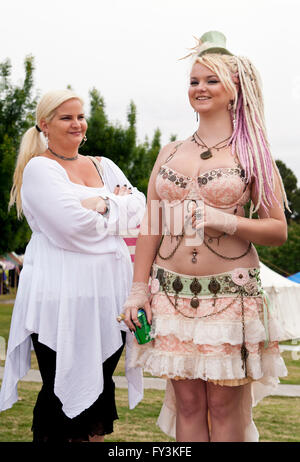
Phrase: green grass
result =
(10, 296)
(5, 316)
(277, 418)
(292, 362)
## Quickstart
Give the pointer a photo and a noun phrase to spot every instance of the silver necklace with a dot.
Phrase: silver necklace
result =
(62, 157)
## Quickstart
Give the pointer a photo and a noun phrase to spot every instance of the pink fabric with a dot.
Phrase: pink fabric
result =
(221, 188)
(171, 343)
(210, 348)
(131, 243)
(130, 240)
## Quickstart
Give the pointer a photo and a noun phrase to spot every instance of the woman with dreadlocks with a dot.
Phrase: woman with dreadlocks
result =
(214, 336)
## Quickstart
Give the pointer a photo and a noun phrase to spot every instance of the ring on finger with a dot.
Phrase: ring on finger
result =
(121, 317)
(198, 214)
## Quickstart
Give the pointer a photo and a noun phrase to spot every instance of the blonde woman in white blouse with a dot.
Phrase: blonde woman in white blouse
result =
(76, 276)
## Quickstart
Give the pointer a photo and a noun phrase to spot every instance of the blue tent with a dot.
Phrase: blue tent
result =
(295, 277)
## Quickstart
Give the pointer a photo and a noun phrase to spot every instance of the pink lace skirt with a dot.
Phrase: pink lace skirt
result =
(188, 345)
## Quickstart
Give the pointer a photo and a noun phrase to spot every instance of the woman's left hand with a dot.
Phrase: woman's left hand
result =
(210, 217)
(122, 190)
(92, 202)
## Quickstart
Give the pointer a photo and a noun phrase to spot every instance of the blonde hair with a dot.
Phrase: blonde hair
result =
(33, 142)
(249, 138)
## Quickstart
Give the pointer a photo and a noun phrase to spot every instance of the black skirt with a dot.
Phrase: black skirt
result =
(50, 424)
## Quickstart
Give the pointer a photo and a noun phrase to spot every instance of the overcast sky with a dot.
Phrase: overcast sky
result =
(129, 50)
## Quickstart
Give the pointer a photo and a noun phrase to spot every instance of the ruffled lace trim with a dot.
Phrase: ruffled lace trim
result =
(213, 332)
(161, 363)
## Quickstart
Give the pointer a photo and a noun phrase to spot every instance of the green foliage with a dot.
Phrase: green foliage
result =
(286, 258)
(120, 143)
(292, 191)
(16, 115)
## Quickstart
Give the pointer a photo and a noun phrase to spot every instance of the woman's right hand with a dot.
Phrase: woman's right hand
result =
(138, 298)
(131, 319)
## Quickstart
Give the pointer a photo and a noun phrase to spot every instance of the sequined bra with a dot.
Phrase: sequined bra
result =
(223, 187)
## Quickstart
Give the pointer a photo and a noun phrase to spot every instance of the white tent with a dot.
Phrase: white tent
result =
(284, 296)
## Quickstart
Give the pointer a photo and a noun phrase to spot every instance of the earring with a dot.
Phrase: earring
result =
(230, 105)
(84, 139)
(46, 139)
(196, 115)
(230, 108)
(233, 119)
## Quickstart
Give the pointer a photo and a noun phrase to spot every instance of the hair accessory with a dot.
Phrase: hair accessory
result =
(213, 42)
(210, 42)
(38, 128)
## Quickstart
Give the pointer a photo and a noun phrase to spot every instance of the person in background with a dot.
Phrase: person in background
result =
(76, 276)
(214, 337)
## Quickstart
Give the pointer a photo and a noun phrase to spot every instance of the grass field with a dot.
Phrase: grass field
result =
(277, 418)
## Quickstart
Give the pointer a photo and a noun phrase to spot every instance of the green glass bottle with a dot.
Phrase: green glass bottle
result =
(142, 334)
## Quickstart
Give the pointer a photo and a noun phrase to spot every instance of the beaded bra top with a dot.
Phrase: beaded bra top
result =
(223, 187)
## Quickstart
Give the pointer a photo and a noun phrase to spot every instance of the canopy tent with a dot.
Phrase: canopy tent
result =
(10, 266)
(11, 260)
(295, 277)
(284, 296)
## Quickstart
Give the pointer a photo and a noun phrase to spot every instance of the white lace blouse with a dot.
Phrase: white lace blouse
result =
(76, 276)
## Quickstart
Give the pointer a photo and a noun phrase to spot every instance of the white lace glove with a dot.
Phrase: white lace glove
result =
(138, 298)
(216, 219)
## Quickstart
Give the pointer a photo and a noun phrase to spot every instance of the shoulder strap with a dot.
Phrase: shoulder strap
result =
(97, 165)
(173, 153)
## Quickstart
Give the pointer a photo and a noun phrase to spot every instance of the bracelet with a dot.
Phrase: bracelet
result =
(106, 213)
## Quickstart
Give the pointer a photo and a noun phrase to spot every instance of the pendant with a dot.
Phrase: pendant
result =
(195, 253)
(195, 286)
(194, 302)
(177, 285)
(214, 286)
(206, 155)
(244, 352)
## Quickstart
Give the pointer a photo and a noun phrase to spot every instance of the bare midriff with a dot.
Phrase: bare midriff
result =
(207, 262)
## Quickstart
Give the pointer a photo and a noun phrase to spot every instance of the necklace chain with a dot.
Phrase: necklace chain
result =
(208, 154)
(62, 157)
(203, 145)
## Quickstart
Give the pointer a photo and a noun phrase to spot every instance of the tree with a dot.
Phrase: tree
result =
(16, 115)
(292, 192)
(284, 259)
(120, 143)
(106, 139)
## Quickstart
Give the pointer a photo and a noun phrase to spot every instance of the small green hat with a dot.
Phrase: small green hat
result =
(213, 42)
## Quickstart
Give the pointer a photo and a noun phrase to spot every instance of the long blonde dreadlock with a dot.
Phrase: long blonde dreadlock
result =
(249, 139)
